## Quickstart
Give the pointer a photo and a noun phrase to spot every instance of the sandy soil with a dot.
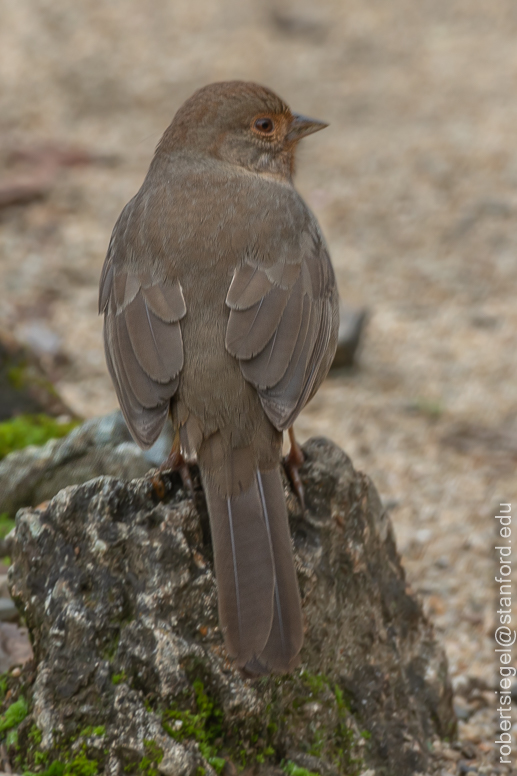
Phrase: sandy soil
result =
(415, 185)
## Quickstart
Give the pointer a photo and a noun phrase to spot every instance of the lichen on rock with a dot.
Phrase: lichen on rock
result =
(130, 674)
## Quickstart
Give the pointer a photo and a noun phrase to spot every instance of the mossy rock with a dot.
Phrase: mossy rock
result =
(24, 385)
(24, 430)
(118, 592)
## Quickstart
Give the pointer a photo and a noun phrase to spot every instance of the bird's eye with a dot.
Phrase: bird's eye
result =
(264, 125)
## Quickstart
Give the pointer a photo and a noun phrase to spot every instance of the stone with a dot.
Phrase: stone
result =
(102, 445)
(24, 384)
(8, 611)
(15, 648)
(130, 672)
(352, 323)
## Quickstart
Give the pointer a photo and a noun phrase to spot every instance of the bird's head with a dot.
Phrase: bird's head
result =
(241, 123)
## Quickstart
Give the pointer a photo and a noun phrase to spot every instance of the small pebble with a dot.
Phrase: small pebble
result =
(464, 767)
(462, 709)
(450, 754)
(312, 709)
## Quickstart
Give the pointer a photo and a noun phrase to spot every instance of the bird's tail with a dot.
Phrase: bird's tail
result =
(259, 600)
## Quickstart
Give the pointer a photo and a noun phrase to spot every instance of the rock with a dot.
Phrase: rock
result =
(24, 190)
(40, 168)
(298, 25)
(99, 446)
(130, 673)
(15, 648)
(8, 611)
(24, 384)
(351, 327)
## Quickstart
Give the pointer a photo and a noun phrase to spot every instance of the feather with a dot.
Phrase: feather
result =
(144, 423)
(146, 392)
(105, 285)
(269, 366)
(157, 345)
(243, 568)
(248, 286)
(283, 274)
(281, 400)
(249, 331)
(191, 437)
(166, 301)
(286, 637)
(288, 366)
(125, 287)
(259, 602)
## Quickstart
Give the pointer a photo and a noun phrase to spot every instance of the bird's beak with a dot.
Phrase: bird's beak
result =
(302, 126)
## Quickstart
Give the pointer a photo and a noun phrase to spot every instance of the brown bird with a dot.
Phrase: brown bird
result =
(221, 308)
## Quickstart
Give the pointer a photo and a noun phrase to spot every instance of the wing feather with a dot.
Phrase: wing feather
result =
(157, 345)
(144, 346)
(166, 301)
(270, 365)
(247, 288)
(250, 330)
(284, 331)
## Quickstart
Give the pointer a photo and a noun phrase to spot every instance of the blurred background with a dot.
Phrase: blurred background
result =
(414, 184)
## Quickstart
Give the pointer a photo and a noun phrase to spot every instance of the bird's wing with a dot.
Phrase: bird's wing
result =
(283, 325)
(143, 344)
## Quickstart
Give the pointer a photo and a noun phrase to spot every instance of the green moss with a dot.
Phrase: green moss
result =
(60, 761)
(153, 756)
(25, 430)
(16, 376)
(35, 735)
(198, 717)
(204, 725)
(56, 769)
(6, 525)
(295, 770)
(118, 678)
(22, 375)
(14, 714)
(256, 741)
(100, 730)
(81, 765)
(316, 683)
(267, 752)
(328, 735)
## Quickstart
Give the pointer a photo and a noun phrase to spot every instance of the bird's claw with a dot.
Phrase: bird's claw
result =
(174, 463)
(292, 462)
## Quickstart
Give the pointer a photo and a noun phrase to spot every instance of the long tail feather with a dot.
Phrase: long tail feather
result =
(243, 569)
(259, 600)
(286, 637)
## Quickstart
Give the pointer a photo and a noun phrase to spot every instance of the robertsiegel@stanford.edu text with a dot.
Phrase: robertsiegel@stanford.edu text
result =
(504, 635)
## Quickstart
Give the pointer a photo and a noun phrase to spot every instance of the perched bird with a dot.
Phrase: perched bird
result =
(221, 309)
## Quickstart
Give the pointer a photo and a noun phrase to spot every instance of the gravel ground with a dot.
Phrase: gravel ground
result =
(415, 185)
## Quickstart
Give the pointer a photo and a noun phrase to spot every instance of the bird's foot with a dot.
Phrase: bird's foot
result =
(292, 462)
(174, 463)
